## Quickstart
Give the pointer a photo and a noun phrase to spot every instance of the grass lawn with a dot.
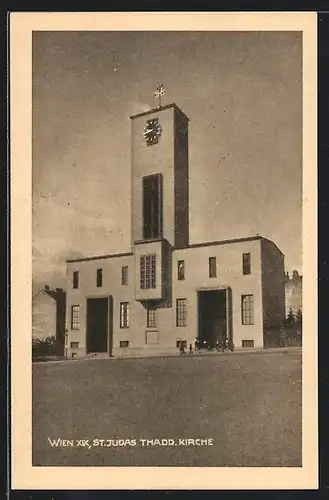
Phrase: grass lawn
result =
(250, 405)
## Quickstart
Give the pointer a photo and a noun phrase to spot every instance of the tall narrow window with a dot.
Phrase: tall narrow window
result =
(181, 312)
(247, 309)
(212, 267)
(75, 279)
(151, 318)
(148, 271)
(142, 272)
(99, 277)
(153, 270)
(124, 314)
(124, 275)
(246, 264)
(152, 206)
(181, 270)
(75, 317)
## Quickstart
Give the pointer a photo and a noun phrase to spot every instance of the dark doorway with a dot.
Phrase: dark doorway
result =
(98, 325)
(212, 315)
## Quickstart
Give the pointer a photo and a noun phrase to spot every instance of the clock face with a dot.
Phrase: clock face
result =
(152, 131)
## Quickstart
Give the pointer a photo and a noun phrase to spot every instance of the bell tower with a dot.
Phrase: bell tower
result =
(159, 171)
(159, 168)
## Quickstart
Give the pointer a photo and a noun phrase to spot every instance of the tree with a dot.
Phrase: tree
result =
(43, 347)
(290, 321)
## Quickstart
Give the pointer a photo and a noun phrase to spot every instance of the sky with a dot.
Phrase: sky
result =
(242, 94)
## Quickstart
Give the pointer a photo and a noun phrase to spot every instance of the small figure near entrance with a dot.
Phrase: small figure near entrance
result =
(223, 342)
(299, 335)
(182, 347)
(190, 348)
(220, 331)
(283, 336)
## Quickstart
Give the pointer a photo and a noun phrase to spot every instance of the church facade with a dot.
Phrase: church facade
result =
(164, 290)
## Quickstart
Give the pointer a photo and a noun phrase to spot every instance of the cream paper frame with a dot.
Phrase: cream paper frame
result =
(24, 476)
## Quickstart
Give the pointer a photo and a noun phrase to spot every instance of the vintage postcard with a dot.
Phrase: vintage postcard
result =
(164, 250)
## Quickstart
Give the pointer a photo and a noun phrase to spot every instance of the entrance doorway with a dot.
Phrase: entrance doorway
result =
(99, 325)
(213, 317)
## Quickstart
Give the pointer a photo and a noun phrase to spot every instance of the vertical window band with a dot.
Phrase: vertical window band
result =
(152, 206)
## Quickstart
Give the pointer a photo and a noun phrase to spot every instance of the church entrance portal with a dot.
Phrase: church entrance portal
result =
(213, 317)
(99, 319)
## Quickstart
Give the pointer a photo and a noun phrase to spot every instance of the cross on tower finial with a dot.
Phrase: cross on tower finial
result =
(160, 92)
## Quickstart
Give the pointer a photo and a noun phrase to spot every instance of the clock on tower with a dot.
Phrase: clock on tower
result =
(152, 131)
(159, 172)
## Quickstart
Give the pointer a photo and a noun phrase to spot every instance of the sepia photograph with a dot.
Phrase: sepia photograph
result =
(167, 220)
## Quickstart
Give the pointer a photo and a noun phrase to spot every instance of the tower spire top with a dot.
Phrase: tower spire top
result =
(160, 92)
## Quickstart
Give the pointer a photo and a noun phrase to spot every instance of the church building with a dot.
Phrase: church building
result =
(165, 290)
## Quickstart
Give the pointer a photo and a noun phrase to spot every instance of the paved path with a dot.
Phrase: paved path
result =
(250, 405)
(273, 350)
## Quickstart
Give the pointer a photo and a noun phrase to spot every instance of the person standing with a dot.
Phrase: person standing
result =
(283, 335)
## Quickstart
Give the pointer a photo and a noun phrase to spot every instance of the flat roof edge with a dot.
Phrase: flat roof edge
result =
(266, 240)
(154, 110)
(99, 257)
(223, 242)
(193, 245)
